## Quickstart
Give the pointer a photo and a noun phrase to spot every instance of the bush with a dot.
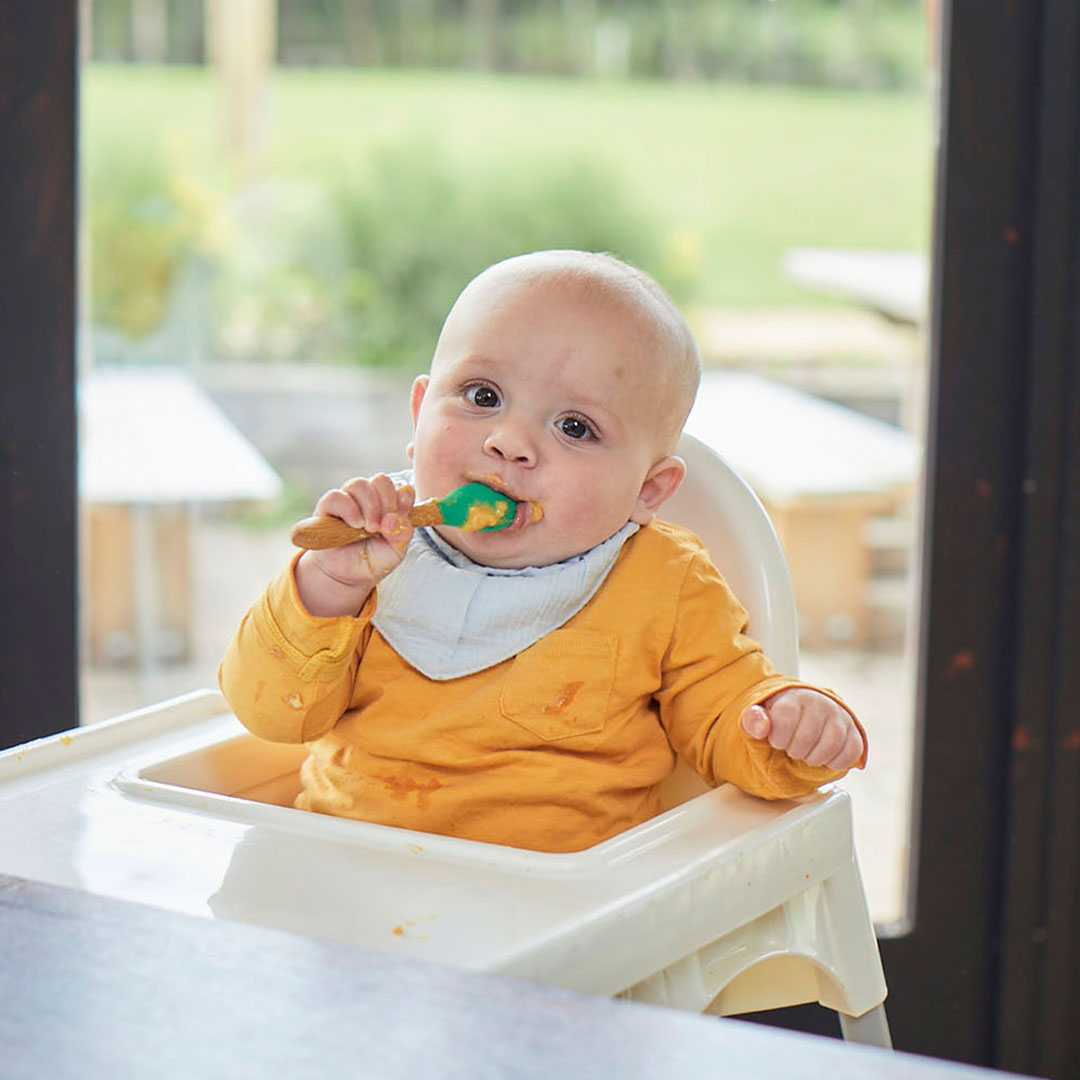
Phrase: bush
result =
(149, 217)
(363, 268)
(350, 269)
(416, 233)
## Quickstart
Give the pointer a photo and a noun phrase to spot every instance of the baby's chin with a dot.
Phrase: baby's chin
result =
(502, 550)
(498, 550)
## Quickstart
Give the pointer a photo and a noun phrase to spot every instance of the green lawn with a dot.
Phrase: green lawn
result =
(735, 174)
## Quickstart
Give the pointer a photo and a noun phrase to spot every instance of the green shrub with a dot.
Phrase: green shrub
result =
(416, 232)
(363, 268)
(354, 268)
(148, 217)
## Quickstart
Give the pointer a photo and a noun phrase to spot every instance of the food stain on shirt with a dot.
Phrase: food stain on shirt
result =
(277, 652)
(400, 787)
(562, 699)
(294, 701)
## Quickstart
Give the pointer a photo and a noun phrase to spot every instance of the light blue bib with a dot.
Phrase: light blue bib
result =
(449, 616)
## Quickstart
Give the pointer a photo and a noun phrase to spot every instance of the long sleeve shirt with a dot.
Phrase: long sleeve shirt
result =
(555, 749)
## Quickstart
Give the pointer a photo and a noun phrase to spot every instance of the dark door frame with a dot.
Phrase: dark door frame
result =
(988, 972)
(985, 974)
(39, 669)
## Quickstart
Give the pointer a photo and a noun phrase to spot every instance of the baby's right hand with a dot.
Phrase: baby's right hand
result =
(336, 581)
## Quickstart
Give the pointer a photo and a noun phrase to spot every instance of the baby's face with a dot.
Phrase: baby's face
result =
(551, 400)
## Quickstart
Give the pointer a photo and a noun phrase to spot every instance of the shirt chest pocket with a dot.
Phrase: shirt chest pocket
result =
(561, 686)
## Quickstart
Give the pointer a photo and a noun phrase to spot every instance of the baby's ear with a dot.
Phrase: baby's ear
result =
(416, 396)
(661, 482)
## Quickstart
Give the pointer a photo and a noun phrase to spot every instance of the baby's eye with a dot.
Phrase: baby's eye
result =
(483, 397)
(573, 427)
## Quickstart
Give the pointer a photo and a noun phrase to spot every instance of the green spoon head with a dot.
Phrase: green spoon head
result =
(478, 508)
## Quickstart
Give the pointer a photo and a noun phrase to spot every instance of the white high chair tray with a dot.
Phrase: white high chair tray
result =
(160, 807)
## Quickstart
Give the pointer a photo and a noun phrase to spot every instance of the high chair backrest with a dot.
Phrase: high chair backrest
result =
(719, 506)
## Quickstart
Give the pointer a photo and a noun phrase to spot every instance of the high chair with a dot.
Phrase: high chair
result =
(788, 954)
(723, 902)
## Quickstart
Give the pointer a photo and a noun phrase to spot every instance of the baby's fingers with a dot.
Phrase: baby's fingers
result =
(340, 504)
(808, 727)
(851, 753)
(790, 728)
(396, 530)
(406, 497)
(832, 743)
(755, 722)
(374, 498)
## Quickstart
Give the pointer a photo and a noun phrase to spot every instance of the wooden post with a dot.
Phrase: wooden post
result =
(241, 37)
(149, 31)
(484, 31)
(362, 39)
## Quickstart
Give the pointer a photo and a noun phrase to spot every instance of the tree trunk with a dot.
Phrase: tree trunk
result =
(579, 17)
(483, 16)
(149, 31)
(241, 37)
(415, 32)
(362, 40)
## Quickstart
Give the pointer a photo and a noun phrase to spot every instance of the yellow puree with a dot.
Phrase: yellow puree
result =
(483, 517)
(536, 511)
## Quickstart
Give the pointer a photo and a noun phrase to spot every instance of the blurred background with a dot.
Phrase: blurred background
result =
(282, 198)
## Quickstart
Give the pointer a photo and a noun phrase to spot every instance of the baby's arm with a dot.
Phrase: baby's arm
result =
(288, 673)
(723, 704)
(338, 581)
(807, 726)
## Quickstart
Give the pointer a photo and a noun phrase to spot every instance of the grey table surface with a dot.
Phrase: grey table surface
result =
(93, 987)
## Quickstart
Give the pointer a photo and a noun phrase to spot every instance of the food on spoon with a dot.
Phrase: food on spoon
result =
(472, 507)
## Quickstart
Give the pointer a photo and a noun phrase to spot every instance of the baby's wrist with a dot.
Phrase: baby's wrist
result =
(326, 595)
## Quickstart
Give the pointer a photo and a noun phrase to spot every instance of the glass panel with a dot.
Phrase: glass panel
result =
(282, 200)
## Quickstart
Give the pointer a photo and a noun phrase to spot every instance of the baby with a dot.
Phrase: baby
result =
(531, 685)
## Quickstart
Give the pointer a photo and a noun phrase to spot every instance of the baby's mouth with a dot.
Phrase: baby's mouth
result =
(527, 511)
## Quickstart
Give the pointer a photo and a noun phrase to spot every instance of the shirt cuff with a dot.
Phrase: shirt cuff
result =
(317, 647)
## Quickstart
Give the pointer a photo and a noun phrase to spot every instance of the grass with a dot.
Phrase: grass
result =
(734, 174)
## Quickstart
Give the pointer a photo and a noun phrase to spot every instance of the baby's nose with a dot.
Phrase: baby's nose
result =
(510, 443)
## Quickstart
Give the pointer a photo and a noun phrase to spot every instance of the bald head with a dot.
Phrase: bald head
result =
(673, 361)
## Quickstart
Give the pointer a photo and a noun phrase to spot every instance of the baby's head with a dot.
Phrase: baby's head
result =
(562, 378)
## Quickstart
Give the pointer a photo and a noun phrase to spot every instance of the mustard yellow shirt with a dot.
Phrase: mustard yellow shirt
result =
(555, 749)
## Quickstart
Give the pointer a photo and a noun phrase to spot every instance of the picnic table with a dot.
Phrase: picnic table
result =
(894, 283)
(154, 447)
(823, 472)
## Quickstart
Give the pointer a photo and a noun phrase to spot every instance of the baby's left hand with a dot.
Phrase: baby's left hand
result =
(807, 726)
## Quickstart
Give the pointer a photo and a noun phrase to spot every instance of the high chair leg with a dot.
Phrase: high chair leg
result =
(872, 1028)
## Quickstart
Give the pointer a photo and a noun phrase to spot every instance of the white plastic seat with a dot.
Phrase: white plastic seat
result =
(723, 902)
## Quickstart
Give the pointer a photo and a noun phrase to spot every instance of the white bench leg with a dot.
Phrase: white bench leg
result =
(872, 1028)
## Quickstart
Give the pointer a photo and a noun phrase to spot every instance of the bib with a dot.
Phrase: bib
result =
(448, 616)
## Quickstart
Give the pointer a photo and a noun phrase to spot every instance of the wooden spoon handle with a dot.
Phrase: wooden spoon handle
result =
(321, 532)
